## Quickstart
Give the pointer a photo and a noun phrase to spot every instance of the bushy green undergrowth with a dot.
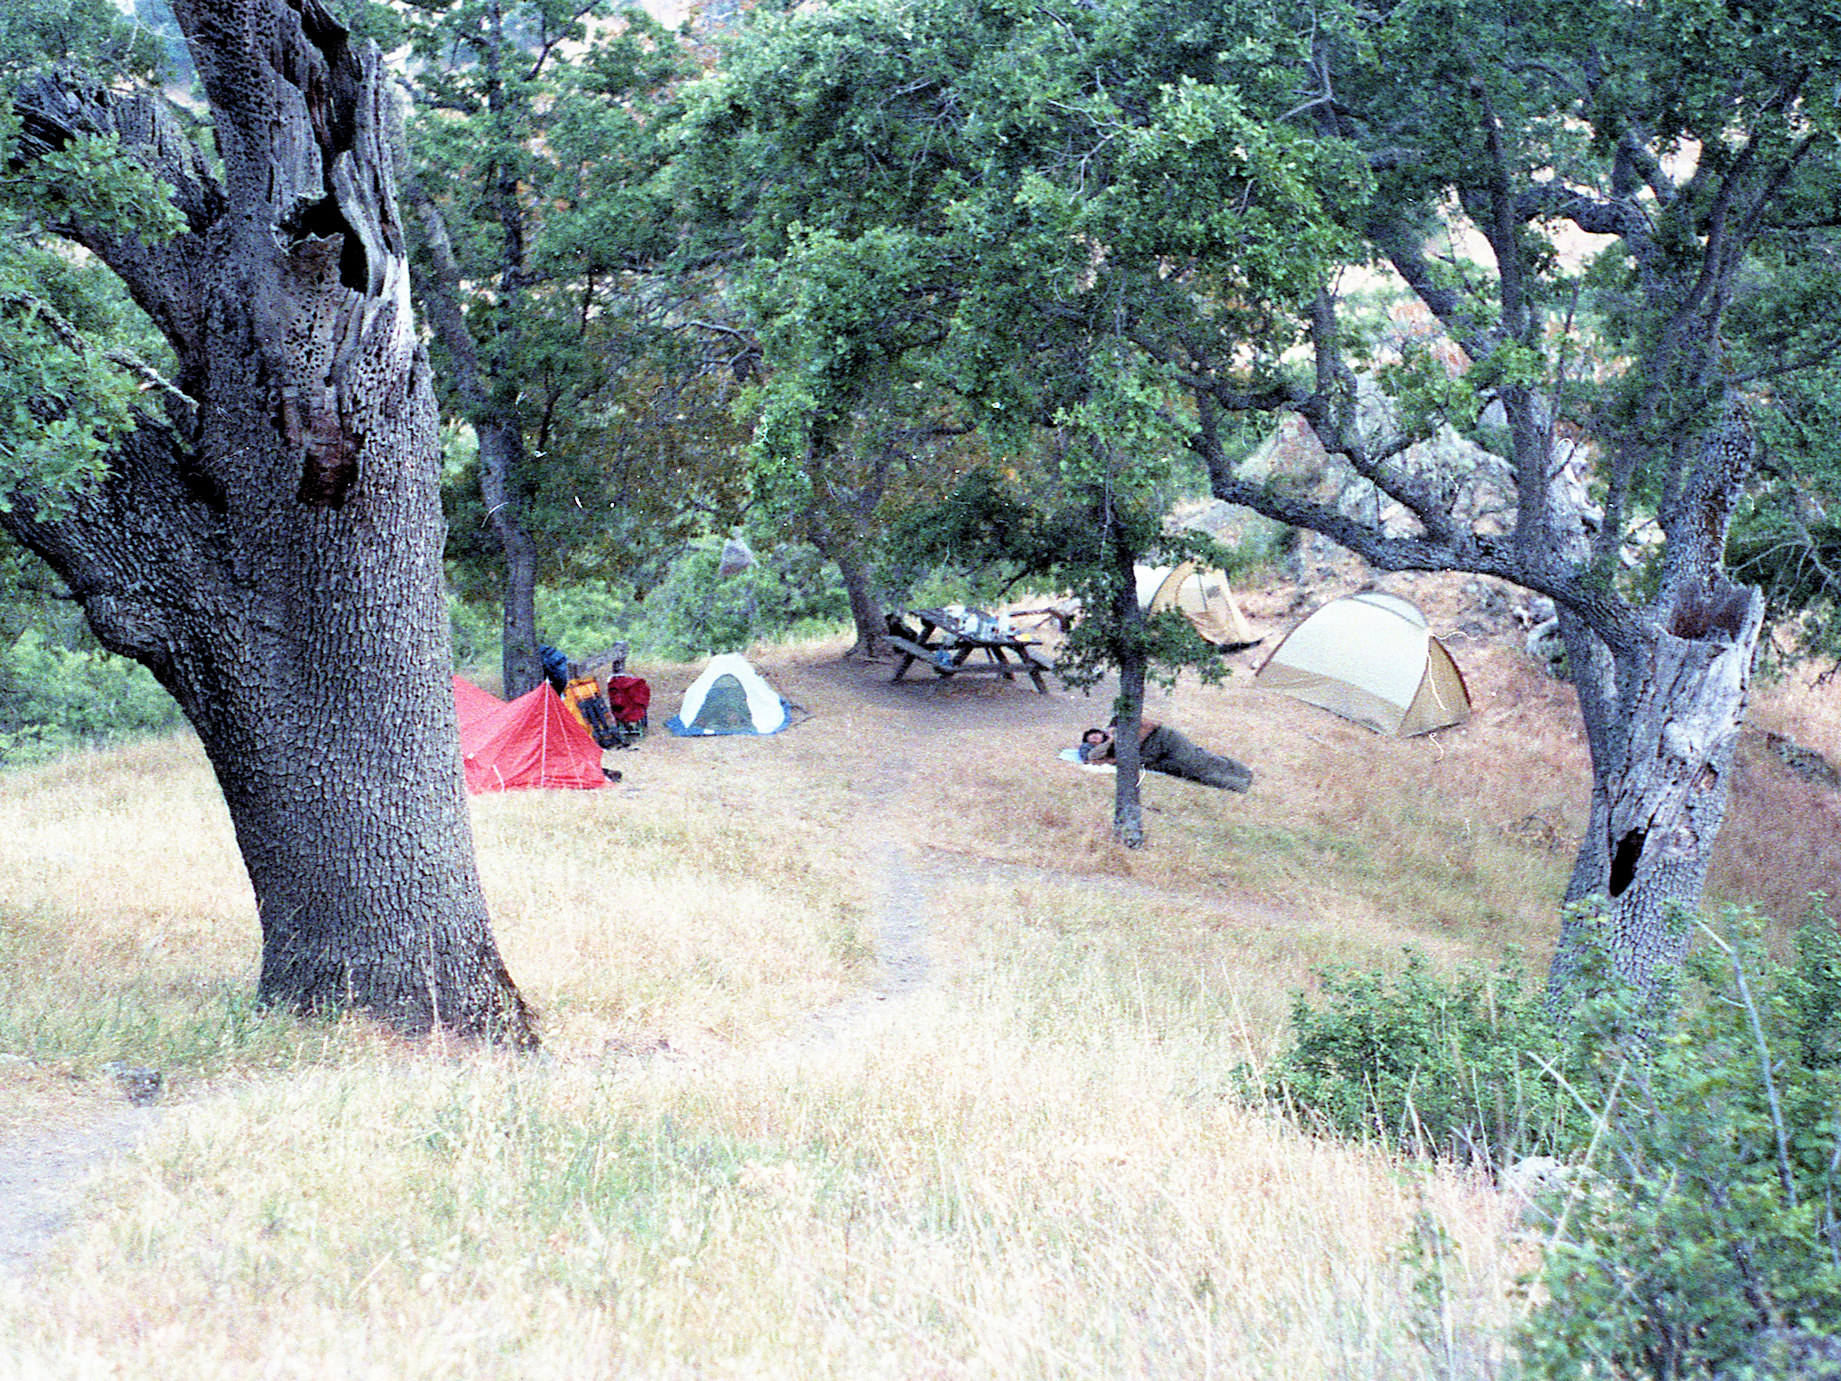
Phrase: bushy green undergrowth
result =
(55, 696)
(1694, 1229)
(789, 593)
(1700, 1236)
(1446, 1067)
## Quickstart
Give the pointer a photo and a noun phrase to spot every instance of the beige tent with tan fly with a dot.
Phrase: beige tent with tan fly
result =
(1370, 658)
(1203, 597)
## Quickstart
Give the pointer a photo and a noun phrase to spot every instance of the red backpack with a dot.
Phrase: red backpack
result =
(630, 698)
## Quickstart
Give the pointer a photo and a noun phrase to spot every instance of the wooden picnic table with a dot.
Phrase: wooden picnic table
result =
(946, 648)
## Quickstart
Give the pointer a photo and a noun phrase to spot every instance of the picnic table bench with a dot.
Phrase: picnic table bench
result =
(946, 647)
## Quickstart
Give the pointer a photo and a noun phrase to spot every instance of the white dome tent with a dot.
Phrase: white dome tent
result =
(1370, 658)
(729, 697)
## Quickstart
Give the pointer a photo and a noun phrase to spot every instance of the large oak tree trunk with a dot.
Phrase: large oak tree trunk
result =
(866, 612)
(274, 555)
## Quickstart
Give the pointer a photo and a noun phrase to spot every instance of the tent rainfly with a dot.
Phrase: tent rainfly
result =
(729, 697)
(1370, 658)
(1203, 597)
(472, 704)
(531, 742)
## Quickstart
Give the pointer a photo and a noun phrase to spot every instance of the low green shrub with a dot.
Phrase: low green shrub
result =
(1451, 1067)
(1695, 1230)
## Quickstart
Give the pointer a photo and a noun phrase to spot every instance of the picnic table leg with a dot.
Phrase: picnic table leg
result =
(911, 652)
(1032, 666)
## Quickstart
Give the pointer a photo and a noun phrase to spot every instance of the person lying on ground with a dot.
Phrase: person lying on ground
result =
(1162, 749)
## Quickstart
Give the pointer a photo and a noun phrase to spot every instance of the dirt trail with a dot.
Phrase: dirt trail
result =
(42, 1173)
(920, 726)
(54, 1129)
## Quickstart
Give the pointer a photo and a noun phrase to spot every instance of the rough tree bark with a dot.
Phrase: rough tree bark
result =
(273, 553)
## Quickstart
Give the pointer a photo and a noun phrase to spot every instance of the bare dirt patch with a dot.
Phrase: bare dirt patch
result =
(53, 1128)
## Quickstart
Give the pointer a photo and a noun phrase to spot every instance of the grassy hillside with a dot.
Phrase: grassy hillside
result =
(1025, 1164)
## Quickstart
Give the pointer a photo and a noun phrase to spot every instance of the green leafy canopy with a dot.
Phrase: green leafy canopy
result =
(70, 340)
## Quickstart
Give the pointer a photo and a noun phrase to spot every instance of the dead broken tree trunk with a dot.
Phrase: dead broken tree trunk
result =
(1662, 714)
(1657, 811)
(273, 553)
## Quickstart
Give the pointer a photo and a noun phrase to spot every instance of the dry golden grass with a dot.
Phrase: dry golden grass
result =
(971, 1197)
(1782, 839)
(1031, 1167)
(624, 913)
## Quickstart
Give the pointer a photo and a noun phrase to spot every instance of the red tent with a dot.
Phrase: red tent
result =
(472, 703)
(532, 741)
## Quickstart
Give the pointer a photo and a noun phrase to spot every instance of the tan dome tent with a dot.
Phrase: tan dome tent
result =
(1203, 597)
(1370, 658)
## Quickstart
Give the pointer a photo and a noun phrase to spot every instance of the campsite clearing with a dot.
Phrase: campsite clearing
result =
(867, 1051)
